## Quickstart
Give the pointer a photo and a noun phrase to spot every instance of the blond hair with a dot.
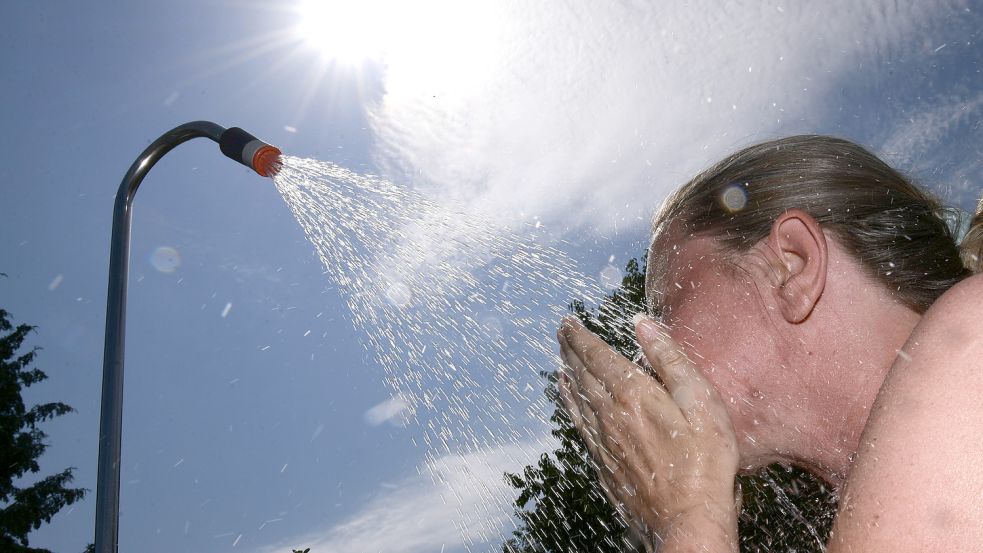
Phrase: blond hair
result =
(971, 247)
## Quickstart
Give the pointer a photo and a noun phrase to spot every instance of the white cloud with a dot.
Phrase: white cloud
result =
(387, 411)
(589, 114)
(455, 500)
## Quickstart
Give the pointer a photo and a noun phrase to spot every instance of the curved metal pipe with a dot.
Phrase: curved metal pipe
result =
(264, 160)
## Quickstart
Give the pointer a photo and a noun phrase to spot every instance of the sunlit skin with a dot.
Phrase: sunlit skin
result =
(798, 345)
(682, 476)
(786, 333)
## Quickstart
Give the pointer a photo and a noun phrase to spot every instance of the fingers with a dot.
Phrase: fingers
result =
(587, 401)
(592, 391)
(585, 420)
(615, 374)
(598, 415)
(605, 422)
(610, 472)
(682, 379)
(583, 380)
(640, 433)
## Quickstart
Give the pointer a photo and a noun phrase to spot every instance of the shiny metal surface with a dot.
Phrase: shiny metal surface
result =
(111, 421)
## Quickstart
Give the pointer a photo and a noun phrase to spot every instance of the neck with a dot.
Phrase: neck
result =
(849, 368)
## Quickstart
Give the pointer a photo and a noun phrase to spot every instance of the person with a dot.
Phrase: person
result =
(808, 305)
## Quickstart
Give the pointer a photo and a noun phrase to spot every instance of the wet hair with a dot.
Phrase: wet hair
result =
(971, 247)
(895, 230)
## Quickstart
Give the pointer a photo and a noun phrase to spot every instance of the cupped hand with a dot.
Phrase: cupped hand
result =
(666, 455)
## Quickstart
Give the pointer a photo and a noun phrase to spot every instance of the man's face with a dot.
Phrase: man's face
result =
(716, 314)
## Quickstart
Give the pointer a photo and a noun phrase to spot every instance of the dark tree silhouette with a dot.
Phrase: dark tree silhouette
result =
(562, 509)
(22, 443)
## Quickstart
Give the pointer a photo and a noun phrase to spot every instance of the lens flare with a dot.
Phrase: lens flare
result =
(734, 198)
(165, 259)
(610, 277)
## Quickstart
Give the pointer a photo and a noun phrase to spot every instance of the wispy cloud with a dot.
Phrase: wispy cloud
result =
(589, 114)
(391, 410)
(930, 125)
(455, 500)
(942, 135)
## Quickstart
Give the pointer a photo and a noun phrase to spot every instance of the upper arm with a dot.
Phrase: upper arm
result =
(917, 483)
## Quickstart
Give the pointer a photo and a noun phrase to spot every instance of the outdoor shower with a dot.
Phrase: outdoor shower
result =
(234, 143)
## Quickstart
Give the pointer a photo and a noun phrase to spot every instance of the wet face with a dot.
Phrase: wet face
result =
(715, 312)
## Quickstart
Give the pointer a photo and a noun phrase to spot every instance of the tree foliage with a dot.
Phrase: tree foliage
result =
(562, 509)
(22, 444)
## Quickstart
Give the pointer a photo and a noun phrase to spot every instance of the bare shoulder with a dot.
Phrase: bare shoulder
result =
(951, 328)
(915, 485)
(964, 300)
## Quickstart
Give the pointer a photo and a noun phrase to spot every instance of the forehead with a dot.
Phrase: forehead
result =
(671, 257)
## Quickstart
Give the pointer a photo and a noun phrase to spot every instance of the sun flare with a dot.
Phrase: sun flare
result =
(427, 31)
(346, 30)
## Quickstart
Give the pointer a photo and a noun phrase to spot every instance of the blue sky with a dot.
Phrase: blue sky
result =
(240, 431)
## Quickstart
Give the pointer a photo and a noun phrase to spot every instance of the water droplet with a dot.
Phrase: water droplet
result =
(55, 282)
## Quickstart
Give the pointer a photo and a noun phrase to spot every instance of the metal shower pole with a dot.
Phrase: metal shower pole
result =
(234, 143)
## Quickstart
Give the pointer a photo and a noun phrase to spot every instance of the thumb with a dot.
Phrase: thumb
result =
(682, 379)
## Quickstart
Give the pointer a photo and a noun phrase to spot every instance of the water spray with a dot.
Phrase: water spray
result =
(238, 145)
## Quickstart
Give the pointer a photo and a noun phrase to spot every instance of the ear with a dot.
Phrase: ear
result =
(800, 246)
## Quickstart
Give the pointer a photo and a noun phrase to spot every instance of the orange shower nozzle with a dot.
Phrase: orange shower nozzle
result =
(266, 160)
(250, 151)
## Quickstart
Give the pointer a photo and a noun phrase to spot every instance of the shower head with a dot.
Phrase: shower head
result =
(250, 151)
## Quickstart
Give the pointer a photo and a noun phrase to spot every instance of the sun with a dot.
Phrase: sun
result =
(421, 47)
(349, 31)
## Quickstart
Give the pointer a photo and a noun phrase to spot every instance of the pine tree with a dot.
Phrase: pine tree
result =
(22, 444)
(562, 509)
